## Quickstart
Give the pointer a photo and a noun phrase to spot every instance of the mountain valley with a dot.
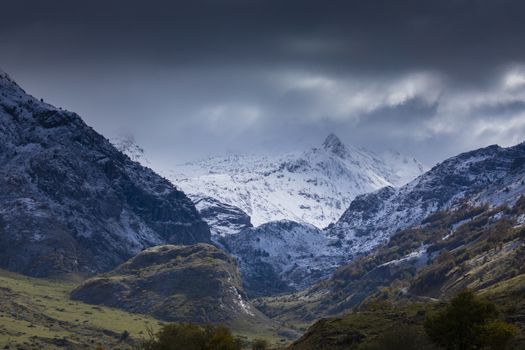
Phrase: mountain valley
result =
(336, 243)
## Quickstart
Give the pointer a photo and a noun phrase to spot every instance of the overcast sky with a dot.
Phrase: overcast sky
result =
(198, 78)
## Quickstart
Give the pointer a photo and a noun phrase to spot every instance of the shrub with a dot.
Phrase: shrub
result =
(259, 344)
(124, 335)
(468, 322)
(190, 336)
(497, 334)
(221, 338)
(401, 338)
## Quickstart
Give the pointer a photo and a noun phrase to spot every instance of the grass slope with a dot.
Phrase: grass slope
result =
(360, 329)
(198, 284)
(37, 314)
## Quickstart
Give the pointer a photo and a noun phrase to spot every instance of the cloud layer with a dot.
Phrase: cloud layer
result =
(196, 78)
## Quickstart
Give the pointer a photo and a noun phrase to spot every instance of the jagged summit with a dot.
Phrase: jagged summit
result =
(9, 88)
(3, 74)
(333, 144)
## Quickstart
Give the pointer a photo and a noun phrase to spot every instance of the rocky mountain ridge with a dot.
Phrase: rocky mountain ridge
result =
(491, 175)
(70, 202)
(283, 256)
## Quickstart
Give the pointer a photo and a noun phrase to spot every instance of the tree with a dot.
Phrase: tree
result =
(259, 344)
(221, 338)
(468, 322)
(497, 334)
(190, 336)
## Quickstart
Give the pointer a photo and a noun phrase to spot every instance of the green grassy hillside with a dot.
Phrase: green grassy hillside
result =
(37, 313)
(197, 284)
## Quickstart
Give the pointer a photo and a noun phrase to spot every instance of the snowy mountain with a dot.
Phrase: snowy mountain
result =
(282, 256)
(459, 226)
(313, 187)
(70, 201)
(488, 176)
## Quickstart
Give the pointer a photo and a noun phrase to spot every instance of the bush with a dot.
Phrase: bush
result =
(189, 336)
(497, 334)
(259, 344)
(468, 322)
(401, 338)
(124, 335)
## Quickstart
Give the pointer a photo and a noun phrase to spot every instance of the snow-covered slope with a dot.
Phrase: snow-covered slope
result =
(491, 176)
(70, 201)
(313, 187)
(284, 255)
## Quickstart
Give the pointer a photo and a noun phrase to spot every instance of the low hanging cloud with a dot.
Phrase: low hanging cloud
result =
(351, 99)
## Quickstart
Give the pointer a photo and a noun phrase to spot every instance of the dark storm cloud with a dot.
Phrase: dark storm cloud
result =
(206, 76)
(459, 37)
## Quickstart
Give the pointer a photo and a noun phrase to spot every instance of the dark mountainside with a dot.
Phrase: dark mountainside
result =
(198, 283)
(283, 256)
(71, 202)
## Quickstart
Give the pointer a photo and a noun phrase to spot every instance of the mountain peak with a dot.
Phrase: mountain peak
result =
(5, 79)
(333, 144)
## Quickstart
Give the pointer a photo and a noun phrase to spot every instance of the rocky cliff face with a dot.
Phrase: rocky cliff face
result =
(70, 201)
(198, 283)
(223, 219)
